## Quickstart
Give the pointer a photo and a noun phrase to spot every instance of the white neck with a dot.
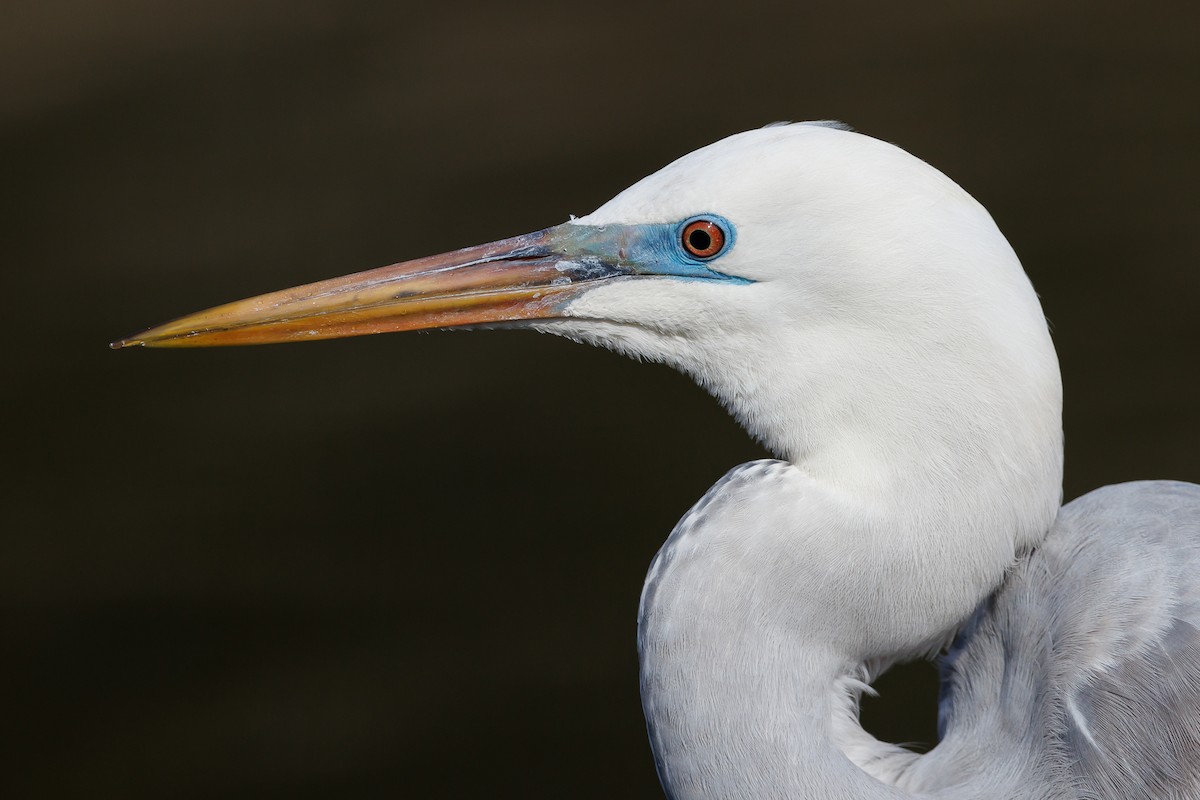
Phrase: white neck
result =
(772, 596)
(739, 702)
(918, 469)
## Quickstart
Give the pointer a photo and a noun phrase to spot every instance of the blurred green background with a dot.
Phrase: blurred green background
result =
(409, 565)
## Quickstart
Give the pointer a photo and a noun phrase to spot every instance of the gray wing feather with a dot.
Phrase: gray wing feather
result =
(1080, 677)
(1132, 721)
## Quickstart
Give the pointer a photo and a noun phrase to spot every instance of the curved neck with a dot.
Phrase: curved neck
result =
(758, 620)
(737, 704)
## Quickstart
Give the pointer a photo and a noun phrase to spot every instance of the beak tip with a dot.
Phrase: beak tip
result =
(123, 343)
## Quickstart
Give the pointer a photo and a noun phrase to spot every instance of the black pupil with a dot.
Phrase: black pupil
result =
(699, 239)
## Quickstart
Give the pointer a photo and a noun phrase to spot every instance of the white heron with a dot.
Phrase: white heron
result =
(862, 316)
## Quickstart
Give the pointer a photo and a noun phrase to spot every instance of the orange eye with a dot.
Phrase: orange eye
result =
(703, 238)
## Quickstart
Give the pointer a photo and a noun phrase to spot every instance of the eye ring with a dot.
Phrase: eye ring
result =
(703, 239)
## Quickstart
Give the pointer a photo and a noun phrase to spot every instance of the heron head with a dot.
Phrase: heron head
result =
(829, 288)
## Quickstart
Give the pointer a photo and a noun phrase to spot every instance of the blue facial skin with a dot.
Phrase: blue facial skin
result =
(609, 251)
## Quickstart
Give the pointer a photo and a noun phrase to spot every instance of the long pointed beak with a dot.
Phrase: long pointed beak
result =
(526, 277)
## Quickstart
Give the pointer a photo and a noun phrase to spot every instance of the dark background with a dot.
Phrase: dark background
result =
(409, 565)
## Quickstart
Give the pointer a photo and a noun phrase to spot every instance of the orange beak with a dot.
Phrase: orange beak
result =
(525, 277)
